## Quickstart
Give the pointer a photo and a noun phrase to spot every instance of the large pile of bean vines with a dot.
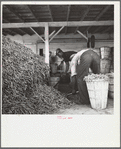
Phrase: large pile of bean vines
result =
(24, 82)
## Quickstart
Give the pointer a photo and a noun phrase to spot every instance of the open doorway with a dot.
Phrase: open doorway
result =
(41, 52)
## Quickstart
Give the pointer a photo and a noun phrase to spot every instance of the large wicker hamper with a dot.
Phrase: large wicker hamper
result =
(98, 93)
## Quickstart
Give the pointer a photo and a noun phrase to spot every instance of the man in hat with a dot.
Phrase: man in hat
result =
(65, 56)
(79, 66)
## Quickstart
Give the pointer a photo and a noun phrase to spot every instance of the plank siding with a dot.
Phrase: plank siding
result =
(64, 42)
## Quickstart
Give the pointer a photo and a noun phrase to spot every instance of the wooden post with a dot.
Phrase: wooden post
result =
(46, 43)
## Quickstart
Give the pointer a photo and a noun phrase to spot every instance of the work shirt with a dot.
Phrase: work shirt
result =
(66, 56)
(76, 61)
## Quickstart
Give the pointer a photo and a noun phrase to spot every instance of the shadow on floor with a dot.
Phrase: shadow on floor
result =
(77, 108)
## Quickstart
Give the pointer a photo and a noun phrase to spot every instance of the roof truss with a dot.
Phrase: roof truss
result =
(50, 12)
(15, 13)
(21, 30)
(96, 30)
(29, 7)
(107, 29)
(84, 15)
(69, 7)
(58, 24)
(99, 16)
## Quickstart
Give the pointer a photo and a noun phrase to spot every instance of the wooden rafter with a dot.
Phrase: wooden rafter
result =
(99, 16)
(52, 33)
(29, 7)
(26, 31)
(37, 34)
(68, 13)
(83, 16)
(4, 33)
(8, 31)
(107, 29)
(18, 31)
(98, 28)
(6, 20)
(82, 34)
(50, 12)
(58, 24)
(15, 13)
(56, 33)
(21, 30)
(87, 29)
(102, 12)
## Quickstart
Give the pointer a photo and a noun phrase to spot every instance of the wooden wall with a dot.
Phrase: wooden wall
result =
(76, 46)
(65, 42)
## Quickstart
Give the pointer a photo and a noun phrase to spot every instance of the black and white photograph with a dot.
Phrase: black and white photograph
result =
(57, 59)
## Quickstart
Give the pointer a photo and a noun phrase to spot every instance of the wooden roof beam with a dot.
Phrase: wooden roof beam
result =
(102, 12)
(18, 31)
(24, 30)
(52, 33)
(4, 33)
(107, 29)
(98, 28)
(99, 16)
(82, 35)
(56, 33)
(68, 13)
(87, 29)
(37, 34)
(58, 24)
(29, 7)
(50, 12)
(6, 20)
(84, 15)
(7, 31)
(15, 13)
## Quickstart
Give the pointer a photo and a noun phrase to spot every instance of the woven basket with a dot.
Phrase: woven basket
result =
(111, 85)
(98, 93)
(105, 52)
(105, 66)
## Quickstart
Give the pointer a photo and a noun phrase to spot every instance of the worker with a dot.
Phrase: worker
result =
(65, 56)
(79, 66)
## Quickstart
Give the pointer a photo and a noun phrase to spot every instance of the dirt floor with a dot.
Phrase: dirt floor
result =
(78, 108)
(87, 110)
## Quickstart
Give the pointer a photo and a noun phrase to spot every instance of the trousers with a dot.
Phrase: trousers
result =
(89, 59)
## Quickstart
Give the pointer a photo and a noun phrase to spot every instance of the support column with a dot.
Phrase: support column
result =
(46, 43)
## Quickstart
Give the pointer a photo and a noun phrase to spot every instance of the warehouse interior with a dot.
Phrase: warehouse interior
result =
(43, 29)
